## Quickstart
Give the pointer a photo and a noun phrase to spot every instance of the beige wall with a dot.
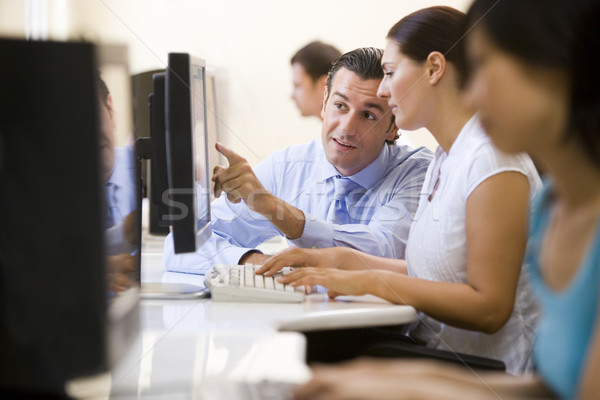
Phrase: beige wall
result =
(247, 43)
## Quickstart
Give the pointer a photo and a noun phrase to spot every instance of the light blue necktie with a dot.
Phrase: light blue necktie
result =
(338, 210)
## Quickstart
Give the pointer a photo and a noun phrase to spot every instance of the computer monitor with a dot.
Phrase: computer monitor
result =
(63, 313)
(187, 157)
(158, 210)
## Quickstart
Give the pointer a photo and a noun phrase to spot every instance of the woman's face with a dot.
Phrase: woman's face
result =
(522, 108)
(405, 87)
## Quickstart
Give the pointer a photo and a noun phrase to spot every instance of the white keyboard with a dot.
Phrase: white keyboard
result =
(239, 283)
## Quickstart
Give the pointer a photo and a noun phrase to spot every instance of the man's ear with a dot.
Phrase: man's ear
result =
(325, 97)
(392, 130)
(436, 67)
(109, 105)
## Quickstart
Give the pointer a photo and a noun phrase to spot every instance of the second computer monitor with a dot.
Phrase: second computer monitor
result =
(187, 151)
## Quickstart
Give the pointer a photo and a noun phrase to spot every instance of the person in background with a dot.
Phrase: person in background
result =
(310, 66)
(117, 174)
(473, 293)
(533, 85)
(353, 188)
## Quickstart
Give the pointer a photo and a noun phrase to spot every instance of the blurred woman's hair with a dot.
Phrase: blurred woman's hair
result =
(554, 34)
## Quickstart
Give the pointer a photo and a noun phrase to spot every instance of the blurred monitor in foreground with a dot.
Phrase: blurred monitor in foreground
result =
(69, 247)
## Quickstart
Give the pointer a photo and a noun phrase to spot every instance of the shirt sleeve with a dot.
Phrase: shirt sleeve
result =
(235, 230)
(387, 232)
(490, 161)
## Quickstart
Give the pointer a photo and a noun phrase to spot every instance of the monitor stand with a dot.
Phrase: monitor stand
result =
(162, 290)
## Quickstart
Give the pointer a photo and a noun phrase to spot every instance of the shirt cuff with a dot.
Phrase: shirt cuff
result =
(212, 252)
(317, 233)
(248, 253)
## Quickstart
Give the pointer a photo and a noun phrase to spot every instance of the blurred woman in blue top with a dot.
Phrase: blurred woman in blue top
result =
(534, 67)
(541, 94)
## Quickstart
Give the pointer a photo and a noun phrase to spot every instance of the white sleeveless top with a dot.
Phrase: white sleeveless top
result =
(437, 246)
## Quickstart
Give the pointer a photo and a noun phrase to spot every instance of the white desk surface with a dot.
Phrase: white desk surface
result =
(184, 342)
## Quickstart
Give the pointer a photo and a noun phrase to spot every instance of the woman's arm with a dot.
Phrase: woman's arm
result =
(334, 257)
(496, 220)
(497, 215)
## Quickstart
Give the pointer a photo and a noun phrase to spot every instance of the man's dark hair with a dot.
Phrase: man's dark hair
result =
(316, 58)
(364, 62)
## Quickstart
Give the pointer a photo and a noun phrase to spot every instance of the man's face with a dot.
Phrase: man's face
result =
(307, 94)
(356, 123)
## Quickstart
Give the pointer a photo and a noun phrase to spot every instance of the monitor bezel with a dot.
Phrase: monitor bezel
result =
(189, 230)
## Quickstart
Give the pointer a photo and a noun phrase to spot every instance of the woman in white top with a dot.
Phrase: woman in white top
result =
(466, 245)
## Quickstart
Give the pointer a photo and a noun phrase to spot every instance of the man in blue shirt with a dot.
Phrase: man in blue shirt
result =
(353, 188)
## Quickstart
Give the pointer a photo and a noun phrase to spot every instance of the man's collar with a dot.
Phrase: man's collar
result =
(366, 177)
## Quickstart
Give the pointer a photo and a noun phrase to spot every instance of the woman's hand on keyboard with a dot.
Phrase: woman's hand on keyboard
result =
(296, 258)
(338, 282)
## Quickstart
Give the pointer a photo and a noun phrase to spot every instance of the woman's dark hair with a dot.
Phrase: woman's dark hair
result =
(561, 34)
(431, 29)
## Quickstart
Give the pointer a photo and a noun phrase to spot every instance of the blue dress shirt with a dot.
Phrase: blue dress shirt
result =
(381, 209)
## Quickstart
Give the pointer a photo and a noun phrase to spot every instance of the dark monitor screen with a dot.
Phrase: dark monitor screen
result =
(67, 305)
(187, 152)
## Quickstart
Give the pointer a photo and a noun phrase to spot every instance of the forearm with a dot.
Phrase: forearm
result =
(285, 217)
(518, 387)
(356, 260)
(455, 304)
(383, 239)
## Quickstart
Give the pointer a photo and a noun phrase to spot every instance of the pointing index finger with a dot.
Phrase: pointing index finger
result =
(231, 156)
